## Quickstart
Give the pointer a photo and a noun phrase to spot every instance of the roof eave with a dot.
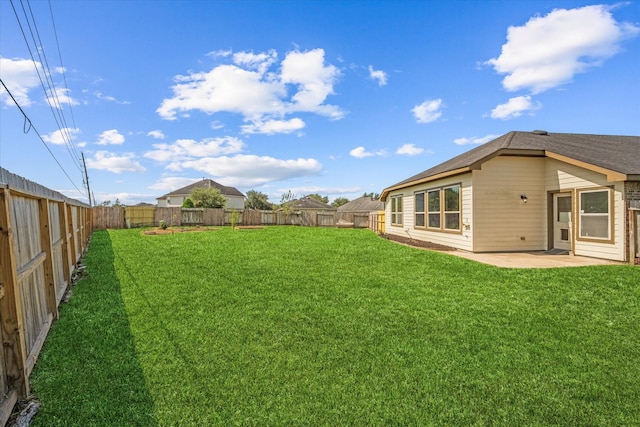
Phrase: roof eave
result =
(612, 176)
(446, 174)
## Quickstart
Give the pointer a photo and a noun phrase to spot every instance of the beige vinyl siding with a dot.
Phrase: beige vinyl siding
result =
(456, 240)
(502, 221)
(563, 176)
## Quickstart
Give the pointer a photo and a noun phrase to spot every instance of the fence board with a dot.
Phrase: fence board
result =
(43, 234)
(139, 216)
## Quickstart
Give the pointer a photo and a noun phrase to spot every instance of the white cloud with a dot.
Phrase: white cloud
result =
(20, 76)
(247, 87)
(110, 137)
(475, 140)
(514, 108)
(168, 184)
(251, 170)
(409, 150)
(61, 136)
(378, 75)
(112, 162)
(360, 153)
(428, 111)
(157, 134)
(271, 127)
(216, 124)
(188, 149)
(62, 97)
(549, 50)
(259, 62)
(314, 81)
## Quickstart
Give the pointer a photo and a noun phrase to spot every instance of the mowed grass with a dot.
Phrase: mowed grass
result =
(308, 326)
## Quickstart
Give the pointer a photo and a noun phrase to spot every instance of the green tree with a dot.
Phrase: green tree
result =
(316, 196)
(188, 203)
(257, 200)
(339, 201)
(374, 196)
(286, 202)
(208, 198)
(106, 203)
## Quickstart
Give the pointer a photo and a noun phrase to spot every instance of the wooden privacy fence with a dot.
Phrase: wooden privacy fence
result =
(42, 236)
(119, 217)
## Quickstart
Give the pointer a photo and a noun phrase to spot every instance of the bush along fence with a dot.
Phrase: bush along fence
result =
(43, 234)
(130, 217)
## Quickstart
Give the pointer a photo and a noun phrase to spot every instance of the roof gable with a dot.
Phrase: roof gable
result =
(204, 183)
(362, 204)
(615, 156)
(310, 203)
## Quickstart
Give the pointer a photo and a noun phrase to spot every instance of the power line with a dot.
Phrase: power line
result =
(31, 126)
(51, 93)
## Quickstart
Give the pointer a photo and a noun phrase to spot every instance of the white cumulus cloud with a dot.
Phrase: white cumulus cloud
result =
(250, 170)
(116, 163)
(475, 140)
(409, 150)
(110, 137)
(256, 88)
(170, 183)
(20, 76)
(271, 127)
(61, 136)
(549, 50)
(378, 75)
(157, 134)
(360, 153)
(514, 107)
(62, 96)
(427, 112)
(188, 149)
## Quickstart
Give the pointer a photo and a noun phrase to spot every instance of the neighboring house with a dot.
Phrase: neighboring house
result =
(310, 204)
(235, 199)
(364, 204)
(526, 191)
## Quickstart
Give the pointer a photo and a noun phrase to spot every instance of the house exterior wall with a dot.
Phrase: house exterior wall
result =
(502, 221)
(560, 176)
(461, 240)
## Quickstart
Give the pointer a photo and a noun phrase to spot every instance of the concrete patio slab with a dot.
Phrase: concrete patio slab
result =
(532, 259)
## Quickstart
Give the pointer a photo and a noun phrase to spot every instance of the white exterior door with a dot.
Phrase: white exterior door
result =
(562, 221)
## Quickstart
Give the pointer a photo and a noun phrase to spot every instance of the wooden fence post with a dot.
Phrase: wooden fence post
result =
(11, 304)
(47, 248)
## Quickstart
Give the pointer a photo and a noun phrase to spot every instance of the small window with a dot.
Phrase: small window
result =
(595, 214)
(452, 208)
(433, 198)
(396, 210)
(419, 209)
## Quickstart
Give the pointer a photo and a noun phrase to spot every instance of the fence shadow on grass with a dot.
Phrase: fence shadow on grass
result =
(88, 372)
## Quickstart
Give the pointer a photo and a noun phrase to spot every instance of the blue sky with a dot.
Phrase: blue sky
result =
(328, 97)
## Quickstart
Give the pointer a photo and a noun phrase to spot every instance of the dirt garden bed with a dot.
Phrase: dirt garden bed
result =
(417, 243)
(170, 230)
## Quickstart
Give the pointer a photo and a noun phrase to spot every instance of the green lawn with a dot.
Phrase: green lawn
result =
(310, 326)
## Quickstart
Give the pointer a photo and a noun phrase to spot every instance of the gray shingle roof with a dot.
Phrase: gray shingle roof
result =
(205, 183)
(310, 203)
(362, 204)
(616, 153)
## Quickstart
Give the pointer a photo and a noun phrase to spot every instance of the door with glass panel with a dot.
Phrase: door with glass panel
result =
(562, 221)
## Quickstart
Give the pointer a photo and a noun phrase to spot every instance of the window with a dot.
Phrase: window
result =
(396, 210)
(419, 208)
(595, 214)
(452, 208)
(443, 204)
(433, 204)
